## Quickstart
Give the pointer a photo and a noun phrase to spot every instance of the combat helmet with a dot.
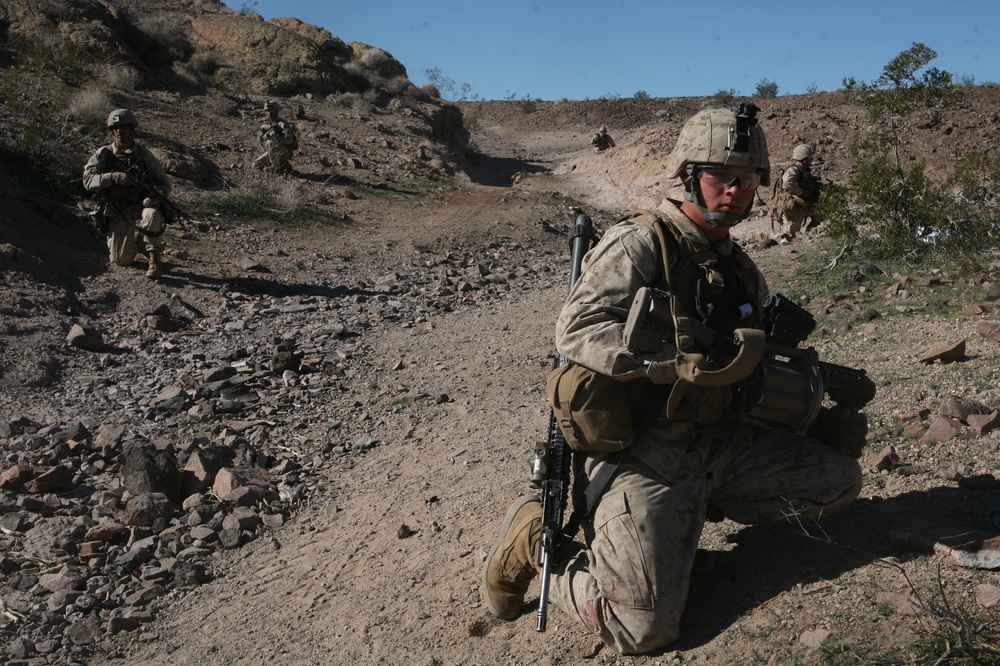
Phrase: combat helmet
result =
(719, 137)
(122, 117)
(802, 151)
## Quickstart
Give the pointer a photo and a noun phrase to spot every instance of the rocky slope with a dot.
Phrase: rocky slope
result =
(297, 444)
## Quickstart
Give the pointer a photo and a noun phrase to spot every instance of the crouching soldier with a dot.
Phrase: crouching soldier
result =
(277, 137)
(131, 220)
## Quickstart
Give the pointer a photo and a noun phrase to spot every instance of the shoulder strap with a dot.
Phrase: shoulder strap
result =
(666, 245)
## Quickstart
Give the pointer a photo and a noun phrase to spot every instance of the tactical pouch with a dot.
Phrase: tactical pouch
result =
(597, 413)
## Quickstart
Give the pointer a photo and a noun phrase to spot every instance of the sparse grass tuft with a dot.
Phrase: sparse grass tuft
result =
(122, 77)
(90, 106)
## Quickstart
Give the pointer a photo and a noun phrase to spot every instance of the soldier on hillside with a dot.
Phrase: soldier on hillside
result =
(627, 580)
(124, 210)
(797, 191)
(277, 137)
(602, 140)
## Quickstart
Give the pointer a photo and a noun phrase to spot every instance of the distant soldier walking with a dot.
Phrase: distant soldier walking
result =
(124, 209)
(797, 191)
(277, 138)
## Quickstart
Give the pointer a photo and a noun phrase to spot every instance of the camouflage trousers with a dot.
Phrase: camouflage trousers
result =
(629, 584)
(276, 158)
(795, 214)
(125, 237)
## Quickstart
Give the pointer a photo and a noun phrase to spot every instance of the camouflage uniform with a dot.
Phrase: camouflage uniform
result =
(602, 140)
(122, 208)
(629, 584)
(798, 194)
(277, 138)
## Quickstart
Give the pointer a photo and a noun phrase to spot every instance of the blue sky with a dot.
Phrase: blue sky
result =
(584, 49)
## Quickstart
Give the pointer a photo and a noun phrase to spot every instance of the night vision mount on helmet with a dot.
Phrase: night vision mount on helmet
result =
(720, 137)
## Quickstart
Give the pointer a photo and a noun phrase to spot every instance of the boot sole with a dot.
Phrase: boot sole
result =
(485, 589)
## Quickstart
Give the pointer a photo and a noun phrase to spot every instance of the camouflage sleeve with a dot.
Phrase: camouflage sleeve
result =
(96, 176)
(590, 327)
(790, 181)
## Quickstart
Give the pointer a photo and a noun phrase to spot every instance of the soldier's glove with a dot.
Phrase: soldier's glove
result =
(709, 401)
(121, 178)
(841, 428)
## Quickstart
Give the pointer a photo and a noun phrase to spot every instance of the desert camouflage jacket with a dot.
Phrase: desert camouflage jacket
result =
(591, 325)
(97, 173)
(278, 131)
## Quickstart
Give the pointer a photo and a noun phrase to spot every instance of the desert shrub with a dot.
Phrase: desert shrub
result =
(47, 51)
(243, 203)
(448, 89)
(89, 105)
(399, 85)
(640, 94)
(360, 78)
(204, 62)
(162, 42)
(767, 89)
(723, 98)
(431, 90)
(122, 78)
(184, 76)
(812, 88)
(348, 100)
(381, 63)
(41, 140)
(897, 211)
(527, 105)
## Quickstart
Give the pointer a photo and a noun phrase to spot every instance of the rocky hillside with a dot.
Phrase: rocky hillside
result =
(298, 442)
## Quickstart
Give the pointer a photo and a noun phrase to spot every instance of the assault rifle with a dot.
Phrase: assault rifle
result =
(143, 187)
(550, 466)
(274, 132)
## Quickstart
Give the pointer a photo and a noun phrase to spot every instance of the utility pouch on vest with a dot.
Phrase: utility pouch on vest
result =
(596, 413)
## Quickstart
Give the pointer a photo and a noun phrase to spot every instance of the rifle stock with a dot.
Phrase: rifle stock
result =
(557, 456)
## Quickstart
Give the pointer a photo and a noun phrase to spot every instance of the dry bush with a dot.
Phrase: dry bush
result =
(165, 41)
(400, 85)
(359, 77)
(431, 90)
(382, 63)
(90, 106)
(122, 78)
(204, 62)
(348, 100)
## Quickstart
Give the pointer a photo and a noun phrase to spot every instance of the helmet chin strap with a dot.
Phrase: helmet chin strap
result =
(718, 219)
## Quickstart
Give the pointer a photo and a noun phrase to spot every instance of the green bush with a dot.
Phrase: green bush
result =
(640, 94)
(723, 98)
(899, 212)
(767, 89)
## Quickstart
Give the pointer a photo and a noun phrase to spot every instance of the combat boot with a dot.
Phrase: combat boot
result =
(513, 562)
(154, 265)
